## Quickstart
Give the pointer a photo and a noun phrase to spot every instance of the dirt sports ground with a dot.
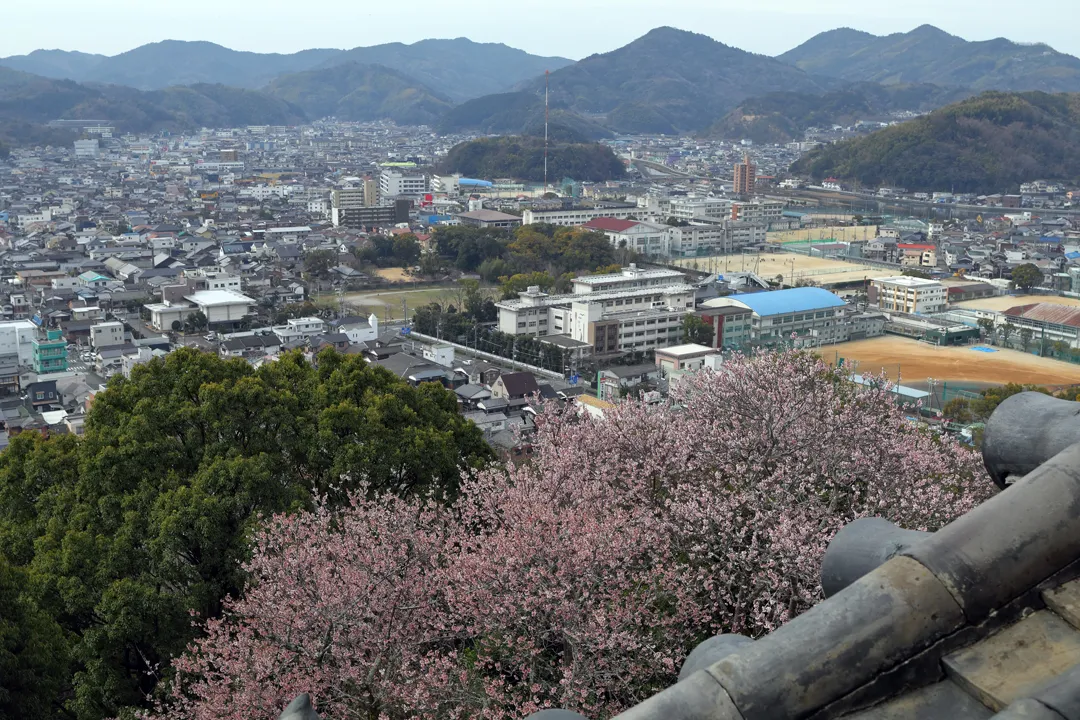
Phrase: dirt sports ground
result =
(1004, 302)
(913, 362)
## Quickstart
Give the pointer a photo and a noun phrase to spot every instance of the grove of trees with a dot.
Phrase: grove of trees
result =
(112, 543)
(579, 579)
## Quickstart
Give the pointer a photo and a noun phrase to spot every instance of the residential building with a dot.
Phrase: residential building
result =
(394, 183)
(918, 296)
(17, 341)
(488, 219)
(515, 386)
(362, 216)
(745, 177)
(613, 381)
(344, 200)
(917, 254)
(222, 306)
(49, 352)
(687, 357)
(86, 148)
(107, 334)
(358, 329)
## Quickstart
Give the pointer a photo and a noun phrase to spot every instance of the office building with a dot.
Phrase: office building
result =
(745, 177)
(86, 148)
(914, 295)
(394, 183)
(758, 211)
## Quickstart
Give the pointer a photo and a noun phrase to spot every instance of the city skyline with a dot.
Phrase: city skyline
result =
(771, 28)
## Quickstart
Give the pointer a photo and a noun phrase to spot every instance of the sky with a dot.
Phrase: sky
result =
(568, 28)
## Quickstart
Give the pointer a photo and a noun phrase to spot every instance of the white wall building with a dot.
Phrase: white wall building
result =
(908, 294)
(16, 340)
(220, 306)
(580, 216)
(107, 334)
(393, 183)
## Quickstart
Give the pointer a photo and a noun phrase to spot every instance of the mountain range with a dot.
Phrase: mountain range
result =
(667, 81)
(458, 68)
(929, 55)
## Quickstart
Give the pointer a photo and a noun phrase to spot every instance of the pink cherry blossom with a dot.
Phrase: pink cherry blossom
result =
(582, 578)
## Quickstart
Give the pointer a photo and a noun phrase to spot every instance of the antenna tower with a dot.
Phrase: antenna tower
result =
(547, 116)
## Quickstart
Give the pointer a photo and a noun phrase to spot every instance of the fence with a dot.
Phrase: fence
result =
(498, 359)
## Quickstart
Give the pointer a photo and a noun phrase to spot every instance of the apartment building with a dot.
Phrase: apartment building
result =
(917, 254)
(905, 294)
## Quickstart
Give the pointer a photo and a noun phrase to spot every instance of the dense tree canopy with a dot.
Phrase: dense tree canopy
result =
(121, 534)
(582, 578)
(988, 144)
(522, 158)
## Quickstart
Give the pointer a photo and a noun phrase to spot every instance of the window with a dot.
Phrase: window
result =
(39, 396)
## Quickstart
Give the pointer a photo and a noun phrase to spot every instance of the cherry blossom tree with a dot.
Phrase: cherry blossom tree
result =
(582, 578)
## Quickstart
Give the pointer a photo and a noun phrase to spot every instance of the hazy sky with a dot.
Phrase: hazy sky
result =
(571, 28)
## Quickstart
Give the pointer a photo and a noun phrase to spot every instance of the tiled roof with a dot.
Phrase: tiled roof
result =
(980, 619)
(609, 224)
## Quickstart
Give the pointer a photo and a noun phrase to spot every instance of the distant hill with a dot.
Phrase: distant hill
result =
(459, 69)
(59, 64)
(170, 62)
(522, 158)
(670, 81)
(990, 143)
(28, 101)
(361, 93)
(929, 55)
(515, 113)
(783, 117)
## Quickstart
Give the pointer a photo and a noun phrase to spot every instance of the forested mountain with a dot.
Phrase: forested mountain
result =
(990, 143)
(929, 55)
(515, 113)
(782, 117)
(459, 69)
(361, 93)
(29, 101)
(669, 81)
(522, 158)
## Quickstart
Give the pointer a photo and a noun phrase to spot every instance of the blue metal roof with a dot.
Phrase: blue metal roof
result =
(779, 302)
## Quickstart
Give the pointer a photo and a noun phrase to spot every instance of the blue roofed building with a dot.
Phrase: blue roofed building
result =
(813, 315)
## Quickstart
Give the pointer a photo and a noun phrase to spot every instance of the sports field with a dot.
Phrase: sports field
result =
(1004, 302)
(390, 302)
(825, 234)
(793, 266)
(913, 362)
